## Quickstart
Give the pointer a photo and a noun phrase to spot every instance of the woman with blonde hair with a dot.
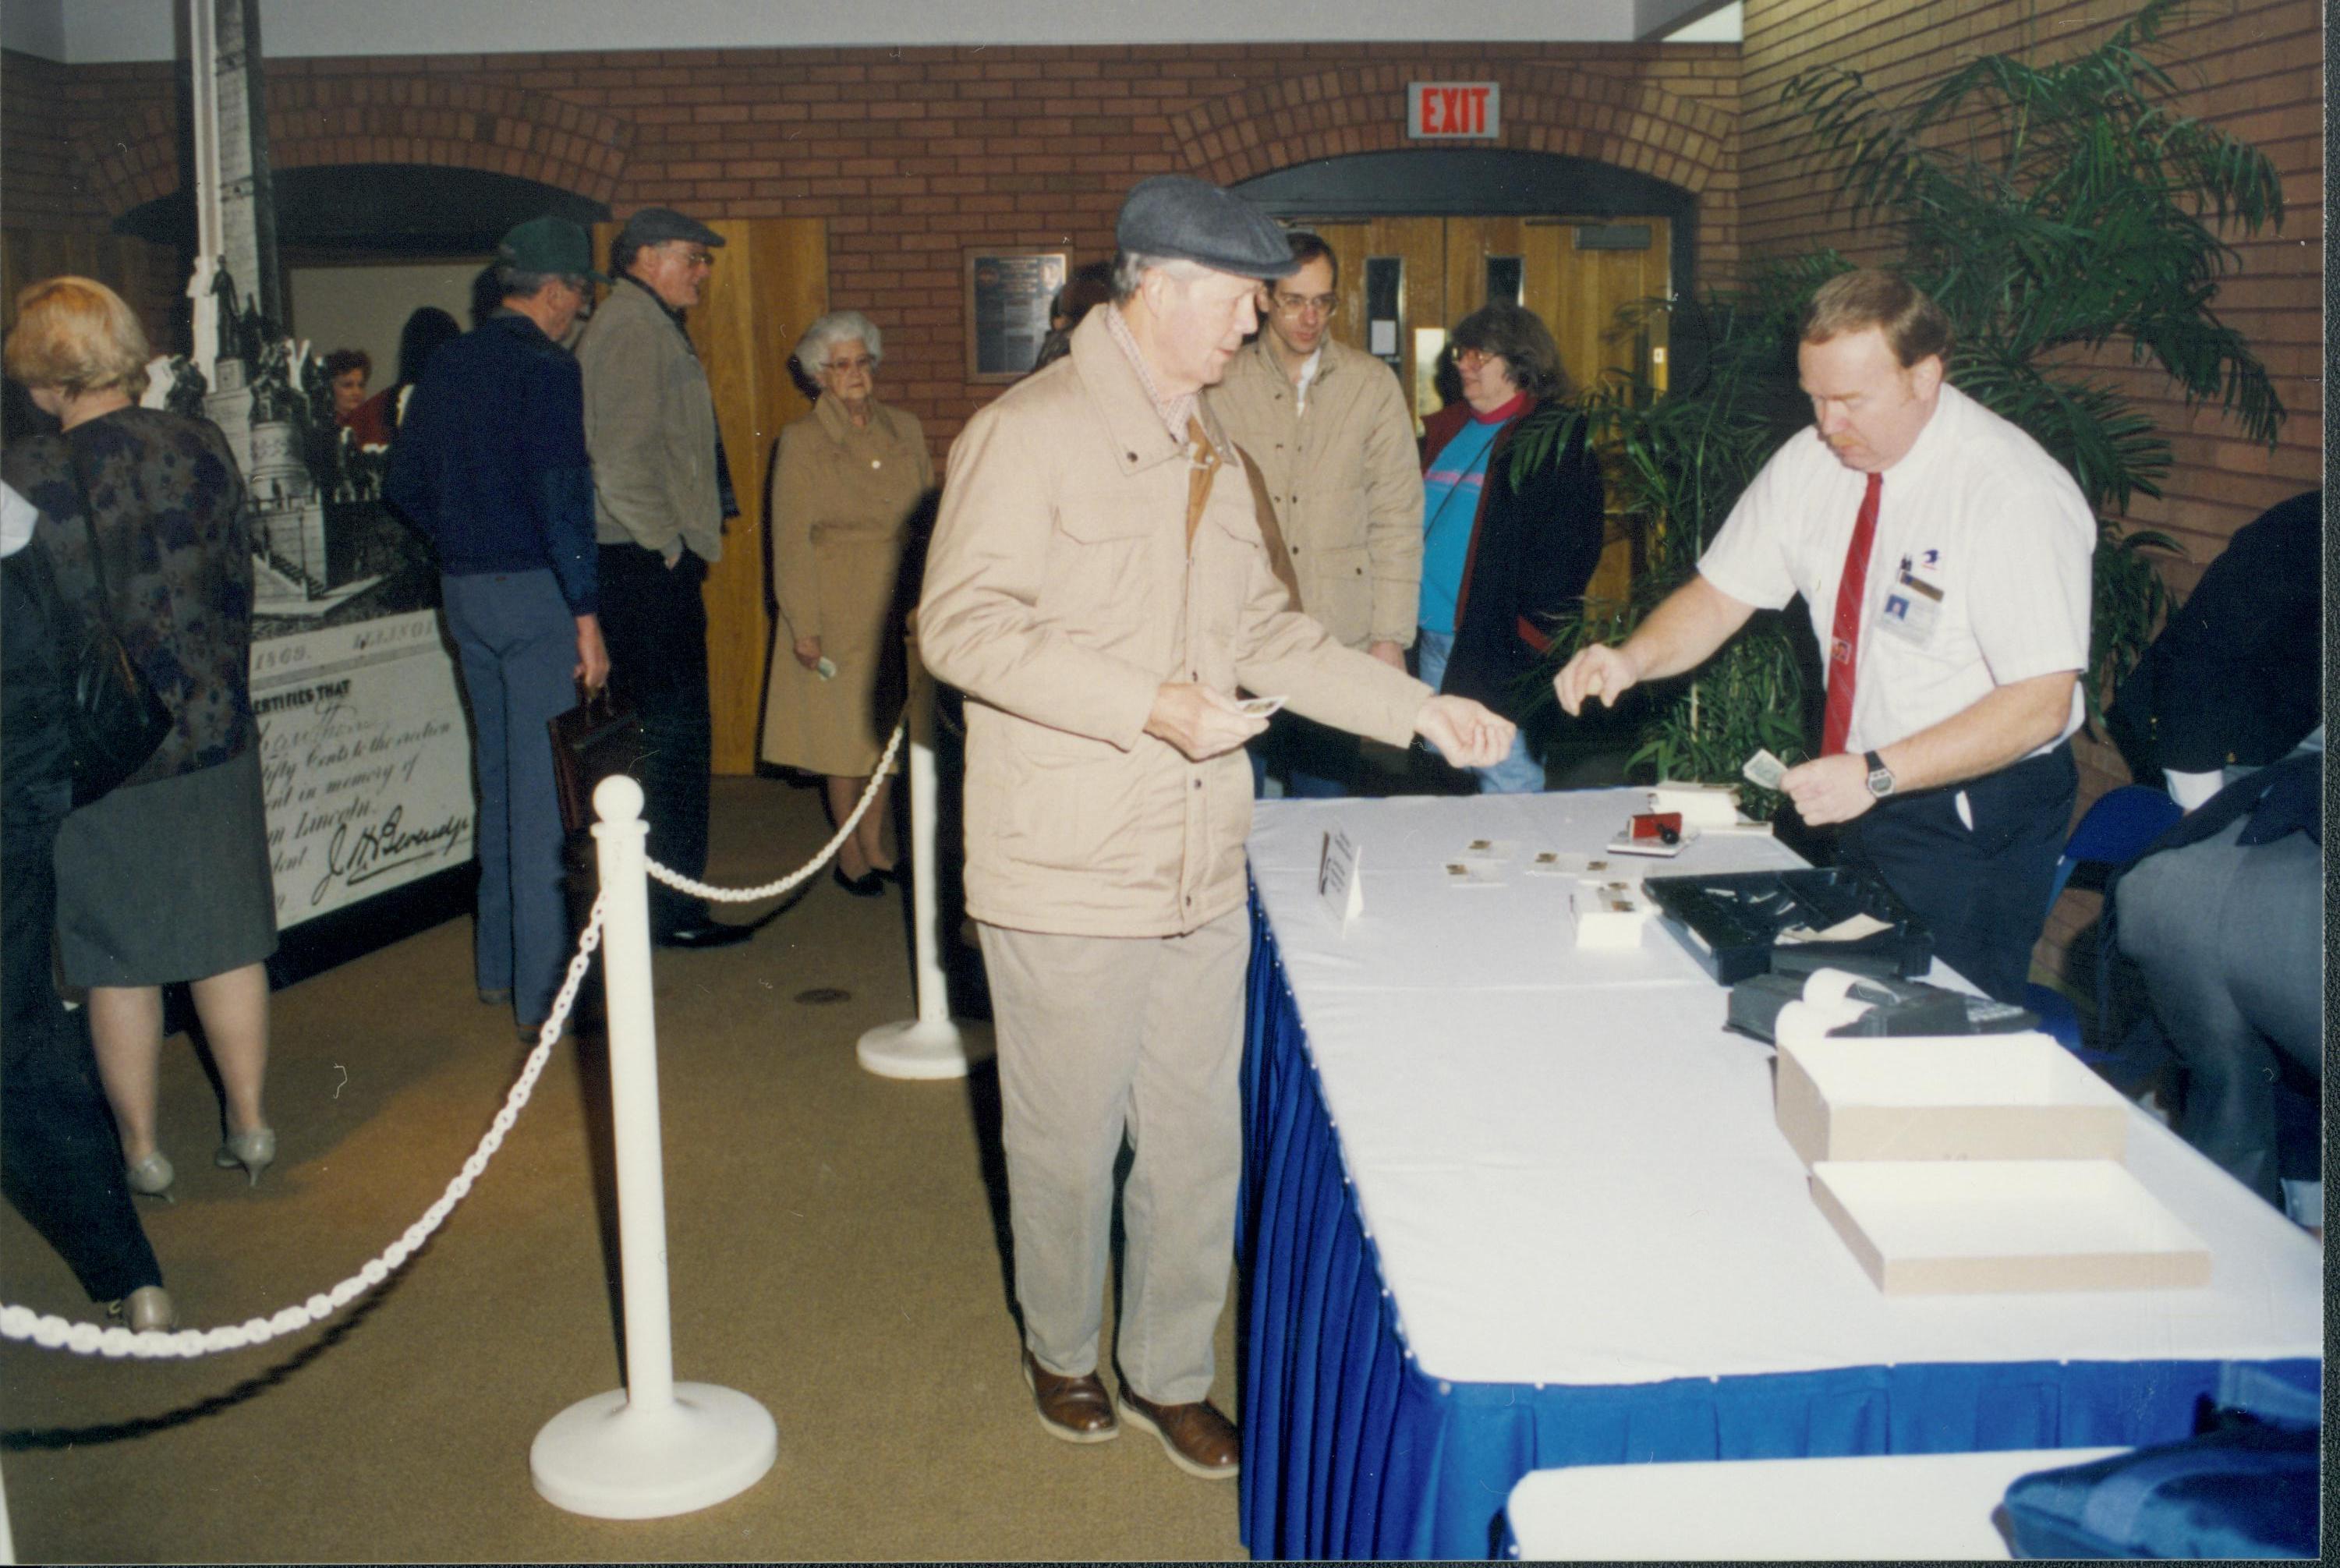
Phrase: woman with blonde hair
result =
(848, 481)
(166, 878)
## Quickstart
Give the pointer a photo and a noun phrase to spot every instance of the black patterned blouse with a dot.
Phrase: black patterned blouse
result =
(170, 520)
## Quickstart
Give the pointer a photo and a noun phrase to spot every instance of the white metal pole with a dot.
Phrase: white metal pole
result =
(931, 1045)
(654, 1447)
(203, 89)
(620, 840)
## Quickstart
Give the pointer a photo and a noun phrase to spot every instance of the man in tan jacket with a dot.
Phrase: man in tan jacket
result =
(1334, 444)
(1098, 587)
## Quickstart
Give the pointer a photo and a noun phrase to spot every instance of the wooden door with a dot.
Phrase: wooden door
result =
(1578, 273)
(1394, 297)
(770, 280)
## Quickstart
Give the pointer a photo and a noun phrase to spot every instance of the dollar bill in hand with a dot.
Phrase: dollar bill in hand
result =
(1764, 769)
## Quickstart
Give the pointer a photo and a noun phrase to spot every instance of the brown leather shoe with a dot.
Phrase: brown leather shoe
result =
(1197, 1438)
(1073, 1409)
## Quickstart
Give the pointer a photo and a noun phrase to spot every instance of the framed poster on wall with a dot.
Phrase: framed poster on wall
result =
(1008, 292)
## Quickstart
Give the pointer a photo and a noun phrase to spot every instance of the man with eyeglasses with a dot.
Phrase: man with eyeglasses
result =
(1327, 429)
(663, 492)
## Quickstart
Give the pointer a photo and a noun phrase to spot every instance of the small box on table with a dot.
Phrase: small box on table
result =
(2019, 1097)
(1961, 1227)
(1609, 914)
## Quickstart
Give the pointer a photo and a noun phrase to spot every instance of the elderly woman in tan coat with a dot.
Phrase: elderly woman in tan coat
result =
(847, 483)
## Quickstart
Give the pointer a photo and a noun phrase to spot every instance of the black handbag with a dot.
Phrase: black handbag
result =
(114, 718)
(601, 736)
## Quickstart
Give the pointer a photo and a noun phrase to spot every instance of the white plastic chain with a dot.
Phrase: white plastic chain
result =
(681, 883)
(52, 1332)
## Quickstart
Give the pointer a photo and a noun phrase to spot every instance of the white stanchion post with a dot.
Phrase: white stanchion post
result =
(655, 1447)
(931, 1045)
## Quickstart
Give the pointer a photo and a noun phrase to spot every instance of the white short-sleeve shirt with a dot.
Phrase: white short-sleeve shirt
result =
(1978, 577)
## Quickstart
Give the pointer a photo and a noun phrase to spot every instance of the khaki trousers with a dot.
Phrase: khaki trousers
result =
(1099, 1037)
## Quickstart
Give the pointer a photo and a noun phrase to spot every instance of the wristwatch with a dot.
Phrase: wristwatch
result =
(1880, 777)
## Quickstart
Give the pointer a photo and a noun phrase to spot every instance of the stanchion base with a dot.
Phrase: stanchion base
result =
(605, 1458)
(915, 1051)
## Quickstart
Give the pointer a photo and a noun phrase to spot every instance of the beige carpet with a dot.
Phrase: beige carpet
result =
(834, 1253)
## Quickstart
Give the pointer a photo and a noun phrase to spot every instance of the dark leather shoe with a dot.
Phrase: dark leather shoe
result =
(869, 885)
(706, 934)
(1197, 1438)
(1074, 1409)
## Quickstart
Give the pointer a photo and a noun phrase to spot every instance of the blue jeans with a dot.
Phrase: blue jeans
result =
(1518, 774)
(516, 643)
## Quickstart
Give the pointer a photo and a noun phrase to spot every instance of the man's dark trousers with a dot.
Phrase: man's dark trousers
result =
(1981, 890)
(654, 623)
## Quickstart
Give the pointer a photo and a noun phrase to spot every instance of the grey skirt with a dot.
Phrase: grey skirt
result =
(168, 880)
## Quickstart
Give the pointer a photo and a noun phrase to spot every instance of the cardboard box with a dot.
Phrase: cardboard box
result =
(1957, 1226)
(2018, 1097)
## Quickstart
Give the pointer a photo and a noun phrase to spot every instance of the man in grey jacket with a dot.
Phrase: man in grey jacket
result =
(662, 494)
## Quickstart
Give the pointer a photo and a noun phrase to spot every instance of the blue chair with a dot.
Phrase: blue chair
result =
(2114, 831)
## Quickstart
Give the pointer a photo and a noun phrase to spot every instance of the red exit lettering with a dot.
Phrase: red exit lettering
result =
(1453, 110)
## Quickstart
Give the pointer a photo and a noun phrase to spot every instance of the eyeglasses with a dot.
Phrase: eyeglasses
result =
(1300, 305)
(698, 257)
(1471, 359)
(839, 366)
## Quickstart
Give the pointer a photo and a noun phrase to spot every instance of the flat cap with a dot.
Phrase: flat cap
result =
(656, 225)
(1194, 220)
(550, 244)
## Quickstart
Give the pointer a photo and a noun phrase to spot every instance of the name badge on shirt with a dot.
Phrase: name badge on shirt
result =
(1912, 608)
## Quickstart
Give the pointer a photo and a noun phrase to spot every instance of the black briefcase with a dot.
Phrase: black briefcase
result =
(601, 736)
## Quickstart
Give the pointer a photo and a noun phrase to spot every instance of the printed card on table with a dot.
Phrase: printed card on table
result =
(1561, 863)
(1337, 882)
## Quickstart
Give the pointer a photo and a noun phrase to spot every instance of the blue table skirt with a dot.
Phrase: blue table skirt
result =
(1351, 1450)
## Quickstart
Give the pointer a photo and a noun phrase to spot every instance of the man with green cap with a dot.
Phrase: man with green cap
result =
(490, 466)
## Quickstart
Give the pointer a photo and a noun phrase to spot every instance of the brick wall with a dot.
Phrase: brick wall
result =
(2252, 67)
(913, 156)
(35, 155)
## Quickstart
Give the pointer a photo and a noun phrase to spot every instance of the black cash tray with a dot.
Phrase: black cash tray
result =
(1731, 922)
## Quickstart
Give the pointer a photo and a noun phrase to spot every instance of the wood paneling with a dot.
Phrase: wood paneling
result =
(770, 280)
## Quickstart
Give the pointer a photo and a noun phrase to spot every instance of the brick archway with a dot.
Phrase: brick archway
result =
(381, 120)
(1615, 120)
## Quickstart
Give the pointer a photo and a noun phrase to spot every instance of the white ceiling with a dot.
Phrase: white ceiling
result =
(83, 32)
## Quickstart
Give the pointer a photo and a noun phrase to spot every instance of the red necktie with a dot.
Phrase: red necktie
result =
(1844, 636)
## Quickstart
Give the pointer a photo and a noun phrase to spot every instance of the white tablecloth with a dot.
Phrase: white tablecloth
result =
(1570, 1169)
(1920, 1506)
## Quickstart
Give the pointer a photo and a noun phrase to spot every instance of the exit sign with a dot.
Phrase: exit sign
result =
(1452, 110)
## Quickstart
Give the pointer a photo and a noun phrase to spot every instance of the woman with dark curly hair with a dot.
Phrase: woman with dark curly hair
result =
(167, 878)
(1501, 558)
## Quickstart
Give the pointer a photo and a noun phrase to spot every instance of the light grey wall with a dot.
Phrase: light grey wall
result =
(366, 307)
(89, 31)
(34, 28)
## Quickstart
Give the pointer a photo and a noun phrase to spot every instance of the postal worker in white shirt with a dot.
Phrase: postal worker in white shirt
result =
(1944, 559)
